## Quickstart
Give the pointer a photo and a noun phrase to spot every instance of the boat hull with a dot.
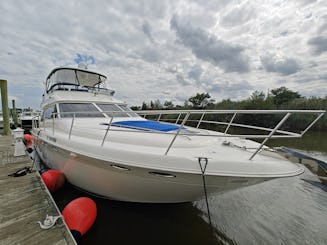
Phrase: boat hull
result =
(123, 182)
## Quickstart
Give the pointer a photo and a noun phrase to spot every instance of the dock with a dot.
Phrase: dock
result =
(25, 201)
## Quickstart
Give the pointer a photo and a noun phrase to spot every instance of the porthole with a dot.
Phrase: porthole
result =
(120, 167)
(161, 174)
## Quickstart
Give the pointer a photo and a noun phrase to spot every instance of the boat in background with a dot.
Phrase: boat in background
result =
(165, 156)
(11, 123)
(27, 117)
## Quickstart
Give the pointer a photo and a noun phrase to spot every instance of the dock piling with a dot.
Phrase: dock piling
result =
(5, 109)
(14, 114)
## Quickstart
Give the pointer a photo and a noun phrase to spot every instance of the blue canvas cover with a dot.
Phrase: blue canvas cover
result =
(147, 125)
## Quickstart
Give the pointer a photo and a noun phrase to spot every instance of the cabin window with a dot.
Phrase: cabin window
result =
(112, 110)
(130, 112)
(50, 112)
(79, 109)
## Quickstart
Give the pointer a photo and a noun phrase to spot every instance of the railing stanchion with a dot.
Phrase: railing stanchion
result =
(318, 117)
(109, 125)
(200, 121)
(71, 126)
(177, 133)
(230, 123)
(53, 124)
(179, 115)
(271, 134)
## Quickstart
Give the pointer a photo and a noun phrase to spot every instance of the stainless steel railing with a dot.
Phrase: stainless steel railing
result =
(183, 117)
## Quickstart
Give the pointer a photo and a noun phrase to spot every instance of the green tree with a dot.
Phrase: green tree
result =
(135, 108)
(283, 95)
(257, 96)
(144, 106)
(200, 100)
(168, 104)
(157, 105)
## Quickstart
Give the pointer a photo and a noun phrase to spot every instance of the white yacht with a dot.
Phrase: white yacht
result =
(107, 149)
(1, 120)
(27, 117)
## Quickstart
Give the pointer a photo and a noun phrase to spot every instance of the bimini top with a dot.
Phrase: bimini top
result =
(67, 78)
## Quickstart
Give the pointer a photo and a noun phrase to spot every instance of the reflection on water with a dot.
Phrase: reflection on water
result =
(311, 141)
(135, 223)
(281, 211)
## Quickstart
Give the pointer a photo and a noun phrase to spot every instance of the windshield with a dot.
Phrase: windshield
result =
(79, 110)
(116, 110)
(62, 78)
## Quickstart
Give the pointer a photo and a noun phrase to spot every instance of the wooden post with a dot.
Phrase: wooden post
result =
(5, 109)
(14, 114)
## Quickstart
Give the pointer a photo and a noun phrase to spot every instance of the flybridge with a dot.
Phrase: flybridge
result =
(77, 79)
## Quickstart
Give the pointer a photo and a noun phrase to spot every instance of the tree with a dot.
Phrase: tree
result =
(168, 104)
(144, 106)
(257, 96)
(157, 105)
(200, 100)
(283, 95)
(135, 108)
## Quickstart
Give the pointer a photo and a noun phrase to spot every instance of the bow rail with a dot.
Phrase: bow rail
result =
(200, 119)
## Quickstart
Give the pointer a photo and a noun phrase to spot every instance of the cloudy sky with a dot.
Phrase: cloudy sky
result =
(167, 50)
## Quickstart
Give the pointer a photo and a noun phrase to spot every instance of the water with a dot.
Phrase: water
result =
(282, 211)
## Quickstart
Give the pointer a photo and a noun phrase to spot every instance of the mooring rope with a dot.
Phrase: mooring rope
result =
(204, 161)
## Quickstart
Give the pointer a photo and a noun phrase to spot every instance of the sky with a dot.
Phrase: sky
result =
(167, 50)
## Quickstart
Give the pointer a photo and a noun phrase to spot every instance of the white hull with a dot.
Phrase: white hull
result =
(136, 184)
(102, 169)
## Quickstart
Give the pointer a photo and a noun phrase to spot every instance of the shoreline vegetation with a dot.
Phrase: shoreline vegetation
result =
(277, 99)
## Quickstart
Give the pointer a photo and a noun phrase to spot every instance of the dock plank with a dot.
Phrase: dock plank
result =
(24, 201)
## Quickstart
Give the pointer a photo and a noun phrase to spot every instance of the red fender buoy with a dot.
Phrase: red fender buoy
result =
(80, 215)
(28, 137)
(53, 179)
(28, 140)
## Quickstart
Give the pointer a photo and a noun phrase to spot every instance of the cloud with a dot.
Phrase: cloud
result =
(208, 47)
(151, 54)
(179, 46)
(232, 90)
(147, 30)
(239, 15)
(319, 44)
(284, 67)
(195, 72)
(182, 80)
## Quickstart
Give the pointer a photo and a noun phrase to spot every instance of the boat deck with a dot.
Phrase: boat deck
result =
(24, 202)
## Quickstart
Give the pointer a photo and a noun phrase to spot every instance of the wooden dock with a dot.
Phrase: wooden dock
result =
(24, 201)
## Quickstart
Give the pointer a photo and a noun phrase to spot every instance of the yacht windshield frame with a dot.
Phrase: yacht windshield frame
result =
(66, 78)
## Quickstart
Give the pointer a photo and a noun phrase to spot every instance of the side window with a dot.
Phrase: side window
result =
(49, 112)
(131, 113)
(79, 110)
(112, 110)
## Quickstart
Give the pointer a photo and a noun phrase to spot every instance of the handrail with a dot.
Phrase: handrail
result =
(185, 116)
(109, 125)
(230, 123)
(271, 133)
(71, 126)
(177, 133)
(312, 123)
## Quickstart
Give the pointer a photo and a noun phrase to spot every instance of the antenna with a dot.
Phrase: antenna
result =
(82, 65)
